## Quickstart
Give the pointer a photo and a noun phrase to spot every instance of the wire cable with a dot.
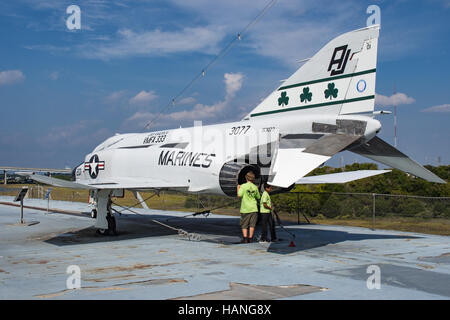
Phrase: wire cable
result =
(221, 54)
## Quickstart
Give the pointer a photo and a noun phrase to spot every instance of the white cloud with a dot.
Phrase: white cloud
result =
(115, 96)
(287, 32)
(441, 108)
(143, 97)
(396, 99)
(233, 83)
(156, 42)
(187, 100)
(11, 77)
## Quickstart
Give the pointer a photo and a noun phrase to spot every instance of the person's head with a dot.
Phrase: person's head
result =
(250, 176)
(267, 187)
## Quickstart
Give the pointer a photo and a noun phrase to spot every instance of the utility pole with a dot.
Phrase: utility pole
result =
(395, 120)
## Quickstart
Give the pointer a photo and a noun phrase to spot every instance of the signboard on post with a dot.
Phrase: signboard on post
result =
(47, 196)
(20, 197)
(21, 194)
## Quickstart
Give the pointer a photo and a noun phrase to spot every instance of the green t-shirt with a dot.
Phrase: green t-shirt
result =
(265, 198)
(249, 194)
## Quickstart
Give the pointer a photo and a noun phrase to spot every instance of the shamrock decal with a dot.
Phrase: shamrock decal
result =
(283, 100)
(306, 95)
(331, 91)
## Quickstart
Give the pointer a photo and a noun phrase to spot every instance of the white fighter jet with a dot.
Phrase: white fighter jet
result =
(325, 107)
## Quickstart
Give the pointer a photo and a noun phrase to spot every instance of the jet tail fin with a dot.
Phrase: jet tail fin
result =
(339, 79)
(381, 151)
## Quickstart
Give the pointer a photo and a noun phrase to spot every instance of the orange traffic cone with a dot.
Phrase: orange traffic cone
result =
(292, 244)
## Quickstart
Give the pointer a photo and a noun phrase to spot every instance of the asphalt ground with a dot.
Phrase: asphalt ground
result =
(147, 260)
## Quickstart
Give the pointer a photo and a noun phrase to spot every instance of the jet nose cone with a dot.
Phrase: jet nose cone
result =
(73, 176)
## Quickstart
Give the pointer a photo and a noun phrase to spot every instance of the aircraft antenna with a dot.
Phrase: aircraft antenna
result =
(222, 53)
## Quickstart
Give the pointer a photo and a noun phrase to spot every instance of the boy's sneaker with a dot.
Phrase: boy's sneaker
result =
(244, 240)
(263, 241)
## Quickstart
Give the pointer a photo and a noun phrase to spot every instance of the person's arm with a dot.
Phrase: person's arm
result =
(267, 206)
(238, 188)
(257, 195)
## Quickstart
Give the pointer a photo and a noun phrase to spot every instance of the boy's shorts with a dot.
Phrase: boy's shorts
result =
(249, 220)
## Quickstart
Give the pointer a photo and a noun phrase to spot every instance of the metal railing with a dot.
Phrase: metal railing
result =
(346, 205)
(311, 207)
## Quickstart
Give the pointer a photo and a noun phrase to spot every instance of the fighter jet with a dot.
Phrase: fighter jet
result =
(325, 107)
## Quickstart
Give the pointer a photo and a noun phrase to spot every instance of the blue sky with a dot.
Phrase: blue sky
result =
(64, 91)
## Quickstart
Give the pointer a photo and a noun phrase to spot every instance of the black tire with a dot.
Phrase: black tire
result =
(94, 213)
(103, 232)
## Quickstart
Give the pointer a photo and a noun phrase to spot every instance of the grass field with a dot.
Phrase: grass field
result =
(176, 202)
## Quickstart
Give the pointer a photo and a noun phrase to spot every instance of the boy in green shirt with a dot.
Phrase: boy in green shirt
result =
(266, 215)
(249, 207)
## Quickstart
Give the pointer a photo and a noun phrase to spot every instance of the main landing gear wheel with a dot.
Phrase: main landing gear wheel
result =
(103, 232)
(111, 227)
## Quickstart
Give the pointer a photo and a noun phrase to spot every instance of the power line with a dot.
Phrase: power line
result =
(222, 53)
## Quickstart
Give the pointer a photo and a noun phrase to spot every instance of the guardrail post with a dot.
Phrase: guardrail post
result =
(21, 211)
(373, 211)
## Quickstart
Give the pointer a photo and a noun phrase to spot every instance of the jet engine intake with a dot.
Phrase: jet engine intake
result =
(233, 173)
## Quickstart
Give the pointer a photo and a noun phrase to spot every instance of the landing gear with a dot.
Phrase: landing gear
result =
(102, 232)
(112, 231)
(105, 220)
(111, 224)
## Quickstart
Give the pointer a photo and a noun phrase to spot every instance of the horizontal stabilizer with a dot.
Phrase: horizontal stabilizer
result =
(340, 177)
(381, 151)
(291, 164)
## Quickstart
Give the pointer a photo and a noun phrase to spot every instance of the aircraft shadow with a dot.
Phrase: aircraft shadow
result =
(224, 231)
(142, 226)
(306, 239)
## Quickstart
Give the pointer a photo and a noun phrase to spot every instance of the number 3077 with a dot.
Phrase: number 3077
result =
(239, 130)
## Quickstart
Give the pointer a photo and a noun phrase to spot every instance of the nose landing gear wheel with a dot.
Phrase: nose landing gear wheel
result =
(94, 213)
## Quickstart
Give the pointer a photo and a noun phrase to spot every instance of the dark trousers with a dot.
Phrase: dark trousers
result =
(267, 222)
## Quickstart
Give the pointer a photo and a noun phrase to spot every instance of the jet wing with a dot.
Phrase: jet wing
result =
(340, 177)
(291, 164)
(121, 183)
(53, 181)
(381, 151)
